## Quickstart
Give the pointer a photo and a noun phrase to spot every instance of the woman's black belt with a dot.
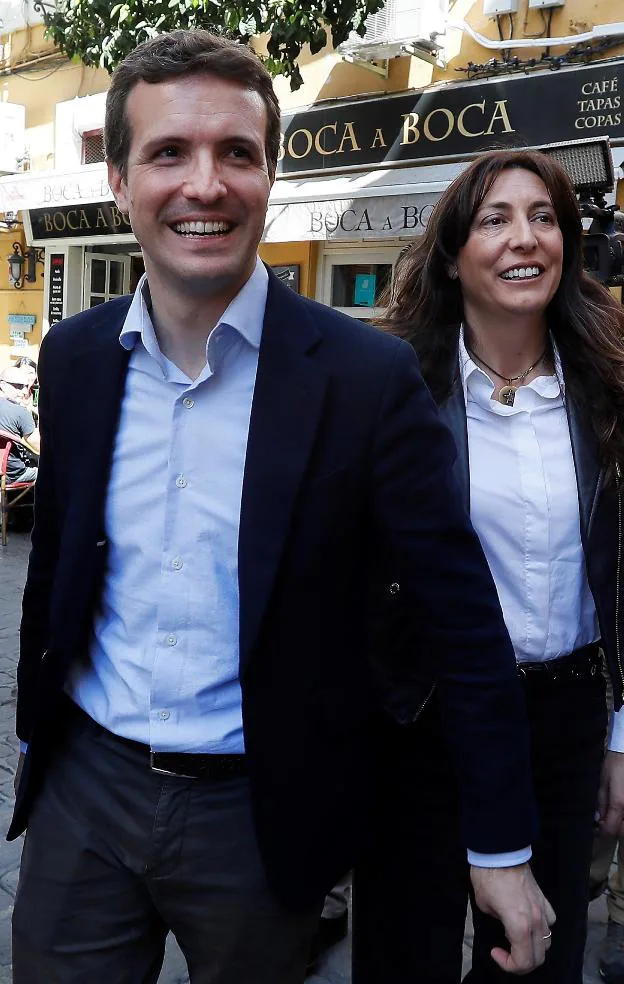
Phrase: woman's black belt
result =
(581, 664)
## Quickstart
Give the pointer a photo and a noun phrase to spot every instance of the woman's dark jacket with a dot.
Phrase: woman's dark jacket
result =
(600, 516)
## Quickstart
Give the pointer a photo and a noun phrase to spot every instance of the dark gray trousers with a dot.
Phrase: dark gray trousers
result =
(116, 855)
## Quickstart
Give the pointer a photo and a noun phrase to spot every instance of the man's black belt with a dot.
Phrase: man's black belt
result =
(582, 664)
(186, 765)
(193, 765)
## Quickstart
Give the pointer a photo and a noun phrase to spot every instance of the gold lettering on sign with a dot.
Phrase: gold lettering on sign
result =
(598, 111)
(118, 218)
(47, 221)
(84, 221)
(461, 126)
(291, 144)
(349, 134)
(100, 222)
(410, 128)
(500, 113)
(450, 120)
(71, 214)
(317, 139)
(378, 139)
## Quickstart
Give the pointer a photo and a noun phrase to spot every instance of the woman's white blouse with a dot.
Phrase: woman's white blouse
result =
(524, 507)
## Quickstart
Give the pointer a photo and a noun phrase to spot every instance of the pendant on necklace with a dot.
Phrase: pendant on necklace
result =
(507, 395)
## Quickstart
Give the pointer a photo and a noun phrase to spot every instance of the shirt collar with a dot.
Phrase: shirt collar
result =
(467, 366)
(245, 314)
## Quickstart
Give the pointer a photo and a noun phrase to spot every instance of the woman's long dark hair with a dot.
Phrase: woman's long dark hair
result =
(425, 306)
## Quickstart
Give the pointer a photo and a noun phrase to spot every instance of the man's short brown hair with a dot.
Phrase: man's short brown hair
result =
(180, 54)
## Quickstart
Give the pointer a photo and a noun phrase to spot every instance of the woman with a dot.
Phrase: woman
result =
(523, 352)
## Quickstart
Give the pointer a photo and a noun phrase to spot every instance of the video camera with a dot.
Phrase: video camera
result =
(603, 242)
(589, 166)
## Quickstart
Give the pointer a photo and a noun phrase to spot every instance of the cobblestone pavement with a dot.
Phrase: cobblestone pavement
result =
(334, 969)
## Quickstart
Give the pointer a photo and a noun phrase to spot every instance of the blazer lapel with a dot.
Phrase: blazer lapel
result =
(453, 413)
(589, 474)
(288, 401)
(103, 363)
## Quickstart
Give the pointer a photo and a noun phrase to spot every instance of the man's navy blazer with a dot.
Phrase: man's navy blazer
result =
(361, 584)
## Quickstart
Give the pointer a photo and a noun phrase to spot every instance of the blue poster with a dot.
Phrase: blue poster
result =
(364, 289)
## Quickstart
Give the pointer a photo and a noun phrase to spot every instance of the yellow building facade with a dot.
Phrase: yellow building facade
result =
(372, 138)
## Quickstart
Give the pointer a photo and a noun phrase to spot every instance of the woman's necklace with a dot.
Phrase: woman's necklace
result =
(507, 394)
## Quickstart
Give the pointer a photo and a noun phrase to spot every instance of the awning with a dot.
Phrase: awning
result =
(50, 189)
(376, 204)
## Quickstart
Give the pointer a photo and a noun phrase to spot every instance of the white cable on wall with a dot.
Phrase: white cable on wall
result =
(599, 31)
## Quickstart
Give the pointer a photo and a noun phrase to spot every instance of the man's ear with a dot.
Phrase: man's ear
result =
(118, 187)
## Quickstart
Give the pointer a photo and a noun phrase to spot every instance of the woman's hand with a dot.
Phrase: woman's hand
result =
(611, 794)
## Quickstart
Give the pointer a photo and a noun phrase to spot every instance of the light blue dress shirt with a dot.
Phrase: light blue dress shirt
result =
(165, 649)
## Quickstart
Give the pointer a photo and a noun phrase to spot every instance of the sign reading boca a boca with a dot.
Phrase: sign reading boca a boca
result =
(72, 222)
(456, 120)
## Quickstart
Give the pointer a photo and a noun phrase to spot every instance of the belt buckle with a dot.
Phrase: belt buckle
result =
(162, 771)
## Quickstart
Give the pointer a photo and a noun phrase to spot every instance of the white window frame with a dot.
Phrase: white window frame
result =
(344, 256)
(106, 295)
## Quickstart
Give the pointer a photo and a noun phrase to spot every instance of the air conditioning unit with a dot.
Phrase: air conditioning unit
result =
(401, 27)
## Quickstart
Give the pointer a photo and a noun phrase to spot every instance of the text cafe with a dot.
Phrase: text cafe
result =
(357, 180)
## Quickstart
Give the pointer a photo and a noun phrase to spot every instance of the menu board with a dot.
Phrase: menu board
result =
(57, 288)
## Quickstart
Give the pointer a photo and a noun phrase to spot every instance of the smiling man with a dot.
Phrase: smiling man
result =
(255, 495)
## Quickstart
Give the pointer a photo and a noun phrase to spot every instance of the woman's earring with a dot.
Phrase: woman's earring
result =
(452, 272)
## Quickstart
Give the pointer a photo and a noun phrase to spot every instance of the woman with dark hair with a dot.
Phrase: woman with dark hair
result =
(524, 354)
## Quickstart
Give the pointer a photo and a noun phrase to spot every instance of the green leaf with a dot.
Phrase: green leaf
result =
(101, 34)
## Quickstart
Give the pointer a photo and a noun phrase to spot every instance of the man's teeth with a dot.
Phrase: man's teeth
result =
(521, 273)
(201, 228)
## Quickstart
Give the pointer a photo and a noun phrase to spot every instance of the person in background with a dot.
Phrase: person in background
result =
(29, 369)
(333, 926)
(16, 419)
(607, 875)
(524, 354)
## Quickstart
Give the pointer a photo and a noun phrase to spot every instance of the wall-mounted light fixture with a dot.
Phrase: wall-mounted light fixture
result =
(20, 258)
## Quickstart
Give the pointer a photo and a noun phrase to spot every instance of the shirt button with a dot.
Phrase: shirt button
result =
(181, 482)
(164, 715)
(177, 563)
(188, 402)
(172, 640)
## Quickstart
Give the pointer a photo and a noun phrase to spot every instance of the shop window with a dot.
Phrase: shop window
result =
(354, 279)
(93, 147)
(359, 284)
(106, 276)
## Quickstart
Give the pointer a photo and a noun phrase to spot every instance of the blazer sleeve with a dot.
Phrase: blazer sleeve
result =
(42, 561)
(434, 580)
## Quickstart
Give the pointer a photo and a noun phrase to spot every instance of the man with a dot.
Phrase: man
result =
(247, 544)
(18, 420)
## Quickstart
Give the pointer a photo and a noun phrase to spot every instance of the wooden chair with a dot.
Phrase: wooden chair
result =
(12, 494)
